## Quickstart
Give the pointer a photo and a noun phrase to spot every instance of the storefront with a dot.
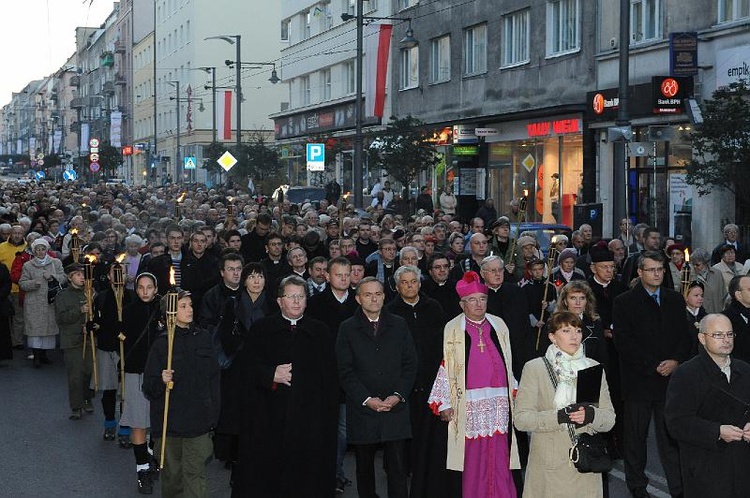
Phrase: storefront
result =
(657, 153)
(540, 158)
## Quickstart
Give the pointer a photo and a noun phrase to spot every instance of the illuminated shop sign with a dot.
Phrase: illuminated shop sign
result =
(556, 127)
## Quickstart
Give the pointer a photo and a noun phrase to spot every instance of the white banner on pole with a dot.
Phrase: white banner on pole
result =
(115, 129)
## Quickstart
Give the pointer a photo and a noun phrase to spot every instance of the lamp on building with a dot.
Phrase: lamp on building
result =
(235, 40)
(407, 41)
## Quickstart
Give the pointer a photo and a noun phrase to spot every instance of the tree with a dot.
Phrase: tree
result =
(721, 145)
(109, 159)
(402, 150)
(211, 153)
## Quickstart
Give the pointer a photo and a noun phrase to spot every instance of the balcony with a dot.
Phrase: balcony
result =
(78, 103)
(120, 79)
(107, 59)
(119, 47)
(108, 88)
(75, 80)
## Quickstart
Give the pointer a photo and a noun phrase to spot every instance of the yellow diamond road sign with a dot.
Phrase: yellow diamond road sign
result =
(226, 161)
(529, 163)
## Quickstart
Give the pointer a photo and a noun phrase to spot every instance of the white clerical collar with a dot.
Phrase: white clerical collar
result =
(601, 283)
(292, 321)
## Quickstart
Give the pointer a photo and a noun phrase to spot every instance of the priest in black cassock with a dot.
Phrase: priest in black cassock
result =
(293, 389)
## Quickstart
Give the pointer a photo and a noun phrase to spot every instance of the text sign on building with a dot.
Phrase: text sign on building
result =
(555, 127)
(464, 135)
(732, 65)
(669, 94)
(316, 157)
(683, 54)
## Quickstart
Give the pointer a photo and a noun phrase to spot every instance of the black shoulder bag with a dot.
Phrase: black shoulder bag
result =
(589, 451)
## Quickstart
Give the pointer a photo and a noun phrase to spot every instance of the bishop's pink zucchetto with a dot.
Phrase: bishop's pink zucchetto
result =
(470, 284)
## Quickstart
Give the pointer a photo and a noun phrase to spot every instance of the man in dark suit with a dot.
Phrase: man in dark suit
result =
(651, 242)
(738, 313)
(253, 245)
(714, 450)
(439, 286)
(377, 364)
(652, 337)
(731, 232)
(426, 320)
(332, 306)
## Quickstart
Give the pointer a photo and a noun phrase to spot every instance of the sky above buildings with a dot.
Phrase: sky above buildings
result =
(38, 36)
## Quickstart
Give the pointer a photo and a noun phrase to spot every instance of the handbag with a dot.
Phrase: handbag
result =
(589, 451)
(53, 289)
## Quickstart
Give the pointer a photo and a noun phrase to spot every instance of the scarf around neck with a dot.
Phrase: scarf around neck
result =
(566, 368)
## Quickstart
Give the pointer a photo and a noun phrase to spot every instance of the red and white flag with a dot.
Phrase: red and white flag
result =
(224, 115)
(377, 45)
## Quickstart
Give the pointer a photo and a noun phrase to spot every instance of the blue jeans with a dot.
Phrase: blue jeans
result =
(341, 443)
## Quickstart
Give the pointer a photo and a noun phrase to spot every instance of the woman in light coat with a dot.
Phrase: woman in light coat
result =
(40, 325)
(448, 201)
(545, 412)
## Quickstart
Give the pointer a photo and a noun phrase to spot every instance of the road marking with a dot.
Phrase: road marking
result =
(654, 492)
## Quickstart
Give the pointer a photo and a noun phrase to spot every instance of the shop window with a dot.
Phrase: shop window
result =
(516, 38)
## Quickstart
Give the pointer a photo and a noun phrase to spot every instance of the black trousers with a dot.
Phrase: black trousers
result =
(395, 457)
(635, 428)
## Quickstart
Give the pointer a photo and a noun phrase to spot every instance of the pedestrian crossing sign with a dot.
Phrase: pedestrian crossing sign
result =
(190, 162)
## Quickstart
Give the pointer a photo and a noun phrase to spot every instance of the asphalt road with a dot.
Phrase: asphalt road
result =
(45, 454)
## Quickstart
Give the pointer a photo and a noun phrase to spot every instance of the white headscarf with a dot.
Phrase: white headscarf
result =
(41, 242)
(566, 368)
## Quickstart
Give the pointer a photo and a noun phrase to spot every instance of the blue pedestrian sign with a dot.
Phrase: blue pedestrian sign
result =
(39, 175)
(70, 175)
(316, 157)
(190, 162)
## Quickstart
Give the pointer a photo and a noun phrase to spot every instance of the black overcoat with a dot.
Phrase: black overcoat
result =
(291, 450)
(379, 366)
(711, 468)
(645, 335)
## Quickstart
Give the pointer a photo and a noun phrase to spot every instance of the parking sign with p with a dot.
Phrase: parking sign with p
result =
(316, 157)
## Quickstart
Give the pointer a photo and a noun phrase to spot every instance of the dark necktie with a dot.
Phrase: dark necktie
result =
(656, 299)
(375, 328)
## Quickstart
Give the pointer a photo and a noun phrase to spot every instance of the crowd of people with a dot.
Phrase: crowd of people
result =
(303, 331)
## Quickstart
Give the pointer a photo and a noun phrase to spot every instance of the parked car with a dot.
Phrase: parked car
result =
(544, 232)
(298, 195)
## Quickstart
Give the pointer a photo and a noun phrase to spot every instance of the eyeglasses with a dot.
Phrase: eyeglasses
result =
(295, 297)
(496, 271)
(720, 336)
(474, 301)
(654, 271)
(440, 267)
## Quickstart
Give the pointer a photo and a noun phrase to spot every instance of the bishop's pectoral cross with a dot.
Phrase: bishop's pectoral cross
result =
(481, 344)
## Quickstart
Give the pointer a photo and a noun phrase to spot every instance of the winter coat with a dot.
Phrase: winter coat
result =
(38, 314)
(549, 471)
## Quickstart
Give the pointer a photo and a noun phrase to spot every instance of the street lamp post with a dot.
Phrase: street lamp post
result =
(407, 42)
(620, 176)
(178, 162)
(235, 40)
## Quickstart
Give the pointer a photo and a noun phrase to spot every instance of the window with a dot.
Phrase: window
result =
(409, 68)
(350, 7)
(349, 78)
(325, 84)
(305, 19)
(516, 38)
(563, 34)
(325, 13)
(475, 49)
(731, 10)
(304, 82)
(285, 25)
(645, 20)
(440, 59)
(405, 4)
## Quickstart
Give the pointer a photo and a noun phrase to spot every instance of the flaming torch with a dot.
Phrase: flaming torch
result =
(172, 298)
(75, 245)
(230, 212)
(88, 291)
(685, 274)
(177, 203)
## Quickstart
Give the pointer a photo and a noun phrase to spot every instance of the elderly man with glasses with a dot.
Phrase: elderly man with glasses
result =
(731, 233)
(705, 413)
(652, 337)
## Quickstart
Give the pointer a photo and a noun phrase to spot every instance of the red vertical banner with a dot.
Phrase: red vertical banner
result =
(384, 44)
(227, 115)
